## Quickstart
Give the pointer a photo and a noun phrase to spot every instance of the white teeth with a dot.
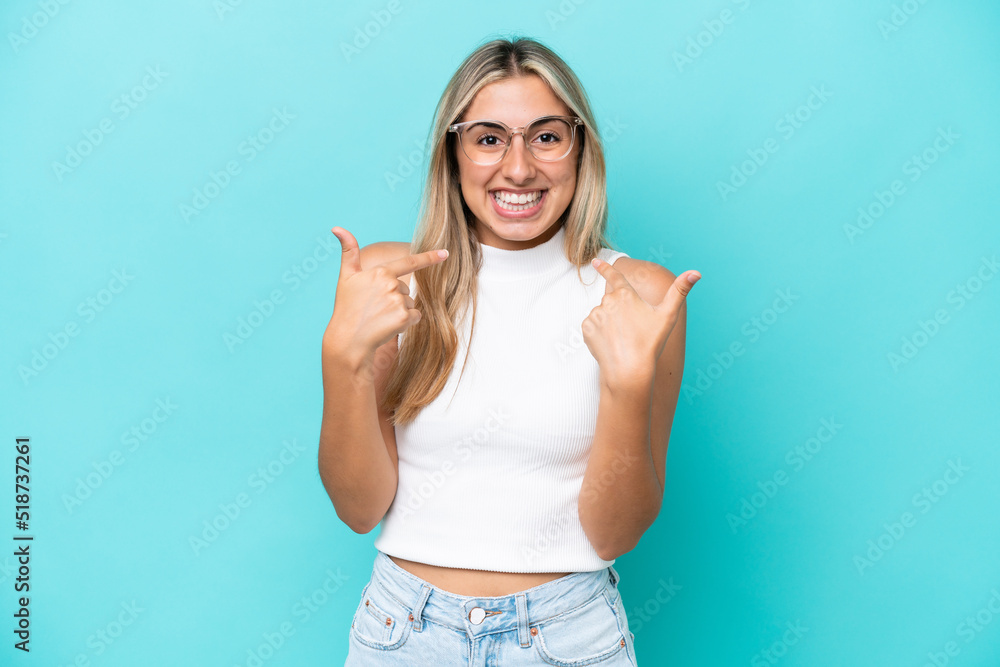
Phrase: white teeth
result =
(511, 198)
(513, 202)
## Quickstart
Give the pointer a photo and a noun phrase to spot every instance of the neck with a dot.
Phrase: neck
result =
(540, 259)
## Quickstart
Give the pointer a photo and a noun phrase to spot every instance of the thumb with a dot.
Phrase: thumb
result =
(678, 291)
(350, 262)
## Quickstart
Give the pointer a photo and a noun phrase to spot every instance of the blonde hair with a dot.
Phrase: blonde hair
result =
(429, 347)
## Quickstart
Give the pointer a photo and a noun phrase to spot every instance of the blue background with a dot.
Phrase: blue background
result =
(796, 552)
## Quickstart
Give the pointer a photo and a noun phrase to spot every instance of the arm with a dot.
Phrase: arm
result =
(623, 485)
(358, 464)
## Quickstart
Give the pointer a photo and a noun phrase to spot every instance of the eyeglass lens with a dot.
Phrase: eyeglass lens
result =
(547, 139)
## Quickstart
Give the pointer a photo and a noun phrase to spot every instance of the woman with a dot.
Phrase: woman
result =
(506, 485)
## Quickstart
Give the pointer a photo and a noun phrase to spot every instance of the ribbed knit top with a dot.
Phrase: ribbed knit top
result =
(490, 471)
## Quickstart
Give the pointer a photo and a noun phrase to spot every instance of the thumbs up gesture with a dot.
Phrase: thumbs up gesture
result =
(372, 305)
(626, 334)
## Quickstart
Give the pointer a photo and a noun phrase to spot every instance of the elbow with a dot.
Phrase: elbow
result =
(360, 510)
(606, 555)
(366, 528)
(613, 547)
(356, 521)
(351, 522)
(356, 516)
(361, 528)
(613, 552)
(625, 544)
(361, 525)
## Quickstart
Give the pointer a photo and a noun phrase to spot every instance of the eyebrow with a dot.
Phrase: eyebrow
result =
(493, 120)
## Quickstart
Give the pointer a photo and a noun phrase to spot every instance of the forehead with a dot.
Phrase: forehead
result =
(516, 101)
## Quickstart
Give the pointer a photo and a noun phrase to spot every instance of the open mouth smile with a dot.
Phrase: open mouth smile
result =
(509, 204)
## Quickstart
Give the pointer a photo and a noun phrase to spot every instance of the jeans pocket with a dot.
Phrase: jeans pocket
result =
(586, 635)
(623, 618)
(380, 621)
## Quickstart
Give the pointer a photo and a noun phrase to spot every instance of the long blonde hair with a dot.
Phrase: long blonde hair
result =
(429, 347)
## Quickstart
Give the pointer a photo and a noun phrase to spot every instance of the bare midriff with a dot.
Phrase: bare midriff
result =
(482, 583)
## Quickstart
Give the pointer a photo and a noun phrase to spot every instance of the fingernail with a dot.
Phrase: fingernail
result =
(596, 261)
(693, 278)
(442, 253)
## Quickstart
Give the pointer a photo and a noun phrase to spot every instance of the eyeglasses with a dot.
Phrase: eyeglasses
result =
(548, 138)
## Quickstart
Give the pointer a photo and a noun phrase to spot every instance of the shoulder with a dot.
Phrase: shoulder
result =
(649, 279)
(381, 252)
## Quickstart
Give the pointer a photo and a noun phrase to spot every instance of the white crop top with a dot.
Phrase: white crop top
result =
(490, 472)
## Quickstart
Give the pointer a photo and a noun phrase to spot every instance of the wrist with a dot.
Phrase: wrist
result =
(634, 382)
(343, 357)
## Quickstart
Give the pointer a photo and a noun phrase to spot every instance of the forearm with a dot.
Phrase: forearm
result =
(354, 463)
(621, 493)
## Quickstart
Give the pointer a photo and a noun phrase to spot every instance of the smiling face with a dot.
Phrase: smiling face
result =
(517, 102)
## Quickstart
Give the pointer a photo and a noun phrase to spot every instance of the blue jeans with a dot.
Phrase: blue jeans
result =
(578, 619)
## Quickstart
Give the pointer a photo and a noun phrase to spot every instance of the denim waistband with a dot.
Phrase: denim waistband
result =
(516, 610)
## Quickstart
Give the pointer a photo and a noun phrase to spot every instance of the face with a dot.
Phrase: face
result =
(517, 102)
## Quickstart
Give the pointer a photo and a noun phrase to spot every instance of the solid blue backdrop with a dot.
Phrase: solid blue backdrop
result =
(170, 173)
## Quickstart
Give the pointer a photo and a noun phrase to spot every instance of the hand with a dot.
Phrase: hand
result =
(625, 334)
(372, 305)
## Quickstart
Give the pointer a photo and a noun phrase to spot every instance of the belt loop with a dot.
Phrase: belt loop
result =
(614, 575)
(522, 620)
(418, 608)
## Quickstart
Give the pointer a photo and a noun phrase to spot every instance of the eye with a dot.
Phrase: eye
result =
(550, 133)
(485, 135)
(488, 140)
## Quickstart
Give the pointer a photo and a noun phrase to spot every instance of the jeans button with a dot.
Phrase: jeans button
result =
(477, 615)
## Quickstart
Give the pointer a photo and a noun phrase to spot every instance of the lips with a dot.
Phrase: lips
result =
(528, 209)
(517, 198)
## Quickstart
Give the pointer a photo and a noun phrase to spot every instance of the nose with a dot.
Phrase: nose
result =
(518, 164)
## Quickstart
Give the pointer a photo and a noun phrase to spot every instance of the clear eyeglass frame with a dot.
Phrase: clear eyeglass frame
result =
(573, 121)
